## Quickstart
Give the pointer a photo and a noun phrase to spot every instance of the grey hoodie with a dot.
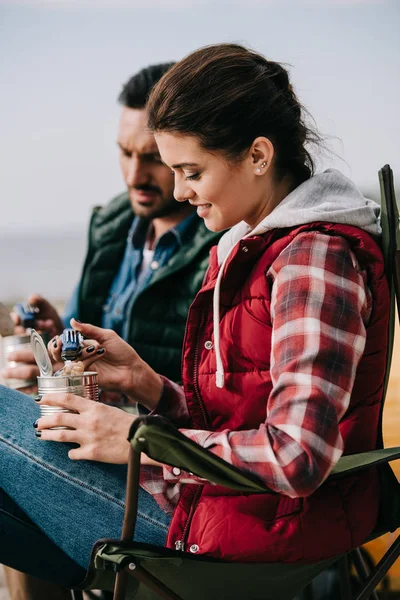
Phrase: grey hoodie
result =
(329, 197)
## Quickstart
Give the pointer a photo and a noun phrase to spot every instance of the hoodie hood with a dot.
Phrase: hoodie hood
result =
(329, 197)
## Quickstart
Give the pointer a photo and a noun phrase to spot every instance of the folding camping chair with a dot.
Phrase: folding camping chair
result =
(146, 572)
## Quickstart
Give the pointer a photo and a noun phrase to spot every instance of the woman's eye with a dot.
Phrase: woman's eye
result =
(192, 177)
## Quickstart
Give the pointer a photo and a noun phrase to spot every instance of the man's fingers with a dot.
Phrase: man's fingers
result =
(15, 318)
(25, 355)
(47, 325)
(39, 301)
(47, 314)
(27, 372)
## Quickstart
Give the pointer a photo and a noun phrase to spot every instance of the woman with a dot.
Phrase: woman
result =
(284, 356)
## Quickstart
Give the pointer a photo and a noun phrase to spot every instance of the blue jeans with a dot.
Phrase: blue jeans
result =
(52, 508)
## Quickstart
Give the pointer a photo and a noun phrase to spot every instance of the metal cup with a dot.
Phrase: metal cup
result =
(17, 342)
(85, 385)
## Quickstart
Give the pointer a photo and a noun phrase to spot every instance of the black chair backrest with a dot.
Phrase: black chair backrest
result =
(391, 253)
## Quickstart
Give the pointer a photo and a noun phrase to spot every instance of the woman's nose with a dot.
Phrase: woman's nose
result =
(182, 191)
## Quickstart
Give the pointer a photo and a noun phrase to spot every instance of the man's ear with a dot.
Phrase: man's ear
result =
(262, 153)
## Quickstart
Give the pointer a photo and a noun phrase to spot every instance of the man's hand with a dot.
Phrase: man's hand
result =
(23, 366)
(47, 319)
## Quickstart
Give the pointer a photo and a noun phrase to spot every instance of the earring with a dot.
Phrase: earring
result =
(262, 166)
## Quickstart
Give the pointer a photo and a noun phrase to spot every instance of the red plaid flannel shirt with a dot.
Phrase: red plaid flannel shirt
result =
(320, 306)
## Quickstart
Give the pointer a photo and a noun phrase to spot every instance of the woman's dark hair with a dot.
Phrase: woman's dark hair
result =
(135, 92)
(227, 95)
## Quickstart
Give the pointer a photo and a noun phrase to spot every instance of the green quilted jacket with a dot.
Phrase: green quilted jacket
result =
(158, 315)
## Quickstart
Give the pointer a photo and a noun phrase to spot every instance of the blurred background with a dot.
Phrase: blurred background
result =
(62, 64)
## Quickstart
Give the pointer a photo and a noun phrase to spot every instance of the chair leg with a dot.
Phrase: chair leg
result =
(344, 575)
(308, 592)
(362, 570)
(380, 570)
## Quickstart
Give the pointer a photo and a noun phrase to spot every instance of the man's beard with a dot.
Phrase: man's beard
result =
(163, 209)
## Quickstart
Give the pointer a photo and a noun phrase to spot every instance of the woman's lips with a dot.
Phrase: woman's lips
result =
(203, 210)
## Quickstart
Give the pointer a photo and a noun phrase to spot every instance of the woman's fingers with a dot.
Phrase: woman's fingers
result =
(69, 436)
(91, 331)
(91, 353)
(90, 347)
(70, 401)
(54, 348)
(71, 420)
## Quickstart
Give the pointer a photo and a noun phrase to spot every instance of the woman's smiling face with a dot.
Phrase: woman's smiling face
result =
(224, 192)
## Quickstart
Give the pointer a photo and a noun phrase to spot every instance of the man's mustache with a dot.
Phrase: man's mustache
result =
(147, 188)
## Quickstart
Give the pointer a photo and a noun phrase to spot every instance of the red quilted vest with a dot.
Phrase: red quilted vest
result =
(339, 515)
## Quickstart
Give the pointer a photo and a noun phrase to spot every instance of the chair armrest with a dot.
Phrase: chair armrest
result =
(350, 464)
(162, 441)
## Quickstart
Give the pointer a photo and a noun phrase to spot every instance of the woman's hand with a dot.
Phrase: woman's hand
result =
(100, 430)
(118, 366)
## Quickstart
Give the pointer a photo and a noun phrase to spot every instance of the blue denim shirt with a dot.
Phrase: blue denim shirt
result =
(129, 280)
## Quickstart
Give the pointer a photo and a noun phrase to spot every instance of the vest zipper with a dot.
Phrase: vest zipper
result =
(180, 544)
(195, 376)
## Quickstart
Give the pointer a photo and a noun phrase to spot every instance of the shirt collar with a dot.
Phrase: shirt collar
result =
(181, 232)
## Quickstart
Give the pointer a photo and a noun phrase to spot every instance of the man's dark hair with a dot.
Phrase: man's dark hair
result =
(136, 90)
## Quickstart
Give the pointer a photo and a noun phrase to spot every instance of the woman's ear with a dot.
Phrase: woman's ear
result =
(262, 154)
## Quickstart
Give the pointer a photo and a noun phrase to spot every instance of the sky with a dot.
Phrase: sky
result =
(62, 64)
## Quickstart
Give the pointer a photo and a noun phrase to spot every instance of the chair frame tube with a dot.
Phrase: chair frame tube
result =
(128, 531)
(362, 570)
(380, 570)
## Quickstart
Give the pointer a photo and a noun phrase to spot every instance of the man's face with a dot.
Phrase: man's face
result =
(150, 183)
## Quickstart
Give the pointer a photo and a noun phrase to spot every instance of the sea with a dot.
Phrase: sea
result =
(49, 265)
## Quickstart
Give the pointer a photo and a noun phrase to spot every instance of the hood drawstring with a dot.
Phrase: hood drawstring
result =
(220, 375)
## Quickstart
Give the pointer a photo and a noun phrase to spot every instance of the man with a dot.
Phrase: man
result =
(147, 254)
(146, 259)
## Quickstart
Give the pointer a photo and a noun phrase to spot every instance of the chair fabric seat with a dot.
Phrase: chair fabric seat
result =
(197, 578)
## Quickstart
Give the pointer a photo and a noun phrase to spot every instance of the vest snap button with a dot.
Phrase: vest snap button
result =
(154, 265)
(194, 548)
(208, 345)
(176, 471)
(245, 249)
